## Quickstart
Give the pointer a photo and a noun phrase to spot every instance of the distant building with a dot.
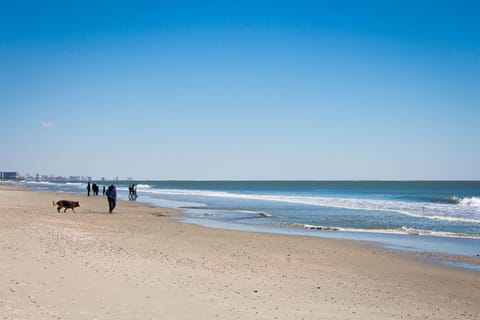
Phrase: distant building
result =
(8, 175)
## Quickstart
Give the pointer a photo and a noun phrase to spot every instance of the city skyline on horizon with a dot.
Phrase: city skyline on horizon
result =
(83, 178)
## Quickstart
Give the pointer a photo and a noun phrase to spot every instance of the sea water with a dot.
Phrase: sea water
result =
(429, 216)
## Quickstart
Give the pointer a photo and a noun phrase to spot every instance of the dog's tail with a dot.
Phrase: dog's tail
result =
(54, 203)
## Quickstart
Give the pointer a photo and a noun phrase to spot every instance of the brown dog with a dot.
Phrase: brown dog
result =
(66, 204)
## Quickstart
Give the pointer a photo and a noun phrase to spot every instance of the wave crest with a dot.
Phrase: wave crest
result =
(472, 202)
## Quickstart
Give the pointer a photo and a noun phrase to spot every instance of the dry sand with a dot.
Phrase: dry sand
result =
(140, 264)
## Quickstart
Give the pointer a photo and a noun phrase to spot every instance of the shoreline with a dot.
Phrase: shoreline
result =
(141, 263)
(456, 261)
(374, 229)
(462, 261)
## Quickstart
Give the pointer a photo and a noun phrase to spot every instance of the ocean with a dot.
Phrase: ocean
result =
(426, 216)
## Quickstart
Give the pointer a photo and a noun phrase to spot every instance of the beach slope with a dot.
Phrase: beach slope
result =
(140, 264)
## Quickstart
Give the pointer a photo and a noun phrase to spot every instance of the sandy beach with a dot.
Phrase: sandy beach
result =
(139, 263)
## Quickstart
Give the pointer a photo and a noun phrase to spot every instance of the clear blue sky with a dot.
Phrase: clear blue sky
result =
(250, 90)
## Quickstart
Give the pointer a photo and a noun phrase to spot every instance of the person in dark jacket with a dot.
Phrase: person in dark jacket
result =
(88, 189)
(111, 197)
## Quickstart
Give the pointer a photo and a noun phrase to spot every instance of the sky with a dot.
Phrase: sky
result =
(245, 90)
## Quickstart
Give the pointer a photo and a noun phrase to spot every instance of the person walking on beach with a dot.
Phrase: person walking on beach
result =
(88, 189)
(104, 191)
(134, 192)
(130, 191)
(112, 197)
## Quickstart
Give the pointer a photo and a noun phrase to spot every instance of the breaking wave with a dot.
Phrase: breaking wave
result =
(143, 186)
(467, 201)
(473, 202)
(465, 210)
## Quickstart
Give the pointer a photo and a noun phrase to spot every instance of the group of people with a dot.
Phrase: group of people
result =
(132, 192)
(94, 188)
(111, 193)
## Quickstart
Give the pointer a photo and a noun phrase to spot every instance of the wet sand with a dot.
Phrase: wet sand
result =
(140, 264)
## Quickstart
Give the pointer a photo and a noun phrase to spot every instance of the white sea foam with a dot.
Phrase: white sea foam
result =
(473, 202)
(36, 182)
(48, 184)
(403, 230)
(466, 213)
